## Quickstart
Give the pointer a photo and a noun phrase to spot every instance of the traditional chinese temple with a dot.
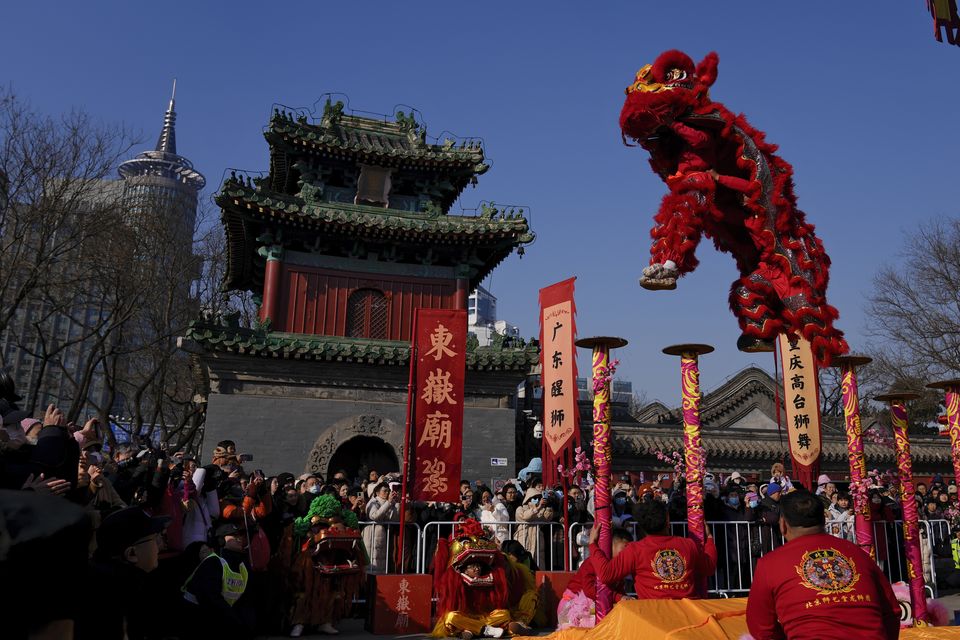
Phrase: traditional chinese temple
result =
(348, 233)
(741, 432)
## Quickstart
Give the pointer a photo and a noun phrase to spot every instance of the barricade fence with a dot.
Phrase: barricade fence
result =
(381, 540)
(740, 544)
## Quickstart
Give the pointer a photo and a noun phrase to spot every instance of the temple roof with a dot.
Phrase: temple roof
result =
(215, 336)
(381, 142)
(247, 210)
(401, 145)
(746, 445)
(740, 431)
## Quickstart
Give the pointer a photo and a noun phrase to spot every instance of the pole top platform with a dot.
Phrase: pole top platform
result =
(897, 394)
(680, 349)
(945, 384)
(850, 361)
(601, 341)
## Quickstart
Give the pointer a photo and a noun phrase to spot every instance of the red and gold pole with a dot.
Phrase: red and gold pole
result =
(951, 390)
(911, 519)
(858, 464)
(693, 452)
(601, 452)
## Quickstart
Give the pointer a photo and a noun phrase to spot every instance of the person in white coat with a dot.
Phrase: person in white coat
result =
(493, 512)
(203, 507)
(381, 509)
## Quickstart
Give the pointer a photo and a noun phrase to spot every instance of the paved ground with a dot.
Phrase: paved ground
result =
(352, 629)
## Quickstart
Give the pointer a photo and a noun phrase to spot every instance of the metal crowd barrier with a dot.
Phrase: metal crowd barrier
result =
(547, 552)
(891, 551)
(381, 558)
(740, 544)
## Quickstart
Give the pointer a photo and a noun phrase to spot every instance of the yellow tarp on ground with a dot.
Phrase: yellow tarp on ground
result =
(722, 619)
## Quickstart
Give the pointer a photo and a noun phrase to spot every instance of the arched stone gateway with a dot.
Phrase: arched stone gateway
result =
(358, 430)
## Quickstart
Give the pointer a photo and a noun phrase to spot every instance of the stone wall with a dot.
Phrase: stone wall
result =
(292, 416)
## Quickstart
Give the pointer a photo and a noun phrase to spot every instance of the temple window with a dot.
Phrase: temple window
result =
(367, 314)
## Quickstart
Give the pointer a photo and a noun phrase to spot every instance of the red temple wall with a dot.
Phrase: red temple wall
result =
(314, 300)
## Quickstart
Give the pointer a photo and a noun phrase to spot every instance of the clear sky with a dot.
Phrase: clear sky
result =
(857, 94)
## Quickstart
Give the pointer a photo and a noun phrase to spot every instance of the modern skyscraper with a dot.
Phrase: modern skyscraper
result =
(49, 350)
(160, 181)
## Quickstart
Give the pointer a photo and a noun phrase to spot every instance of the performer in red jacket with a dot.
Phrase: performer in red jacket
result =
(664, 566)
(818, 586)
(577, 607)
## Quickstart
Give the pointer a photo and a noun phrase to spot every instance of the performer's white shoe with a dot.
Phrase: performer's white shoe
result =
(492, 632)
(328, 629)
(296, 631)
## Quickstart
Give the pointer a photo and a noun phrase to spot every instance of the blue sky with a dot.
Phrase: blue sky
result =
(858, 96)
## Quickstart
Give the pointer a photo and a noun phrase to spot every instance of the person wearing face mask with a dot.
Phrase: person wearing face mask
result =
(622, 515)
(213, 594)
(734, 539)
(309, 489)
(533, 513)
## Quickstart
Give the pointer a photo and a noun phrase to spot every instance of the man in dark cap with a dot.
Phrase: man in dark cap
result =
(128, 548)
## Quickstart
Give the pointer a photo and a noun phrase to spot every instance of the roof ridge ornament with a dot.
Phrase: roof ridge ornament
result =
(407, 123)
(332, 113)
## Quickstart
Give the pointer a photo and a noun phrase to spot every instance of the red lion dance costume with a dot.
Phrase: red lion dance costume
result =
(480, 592)
(726, 183)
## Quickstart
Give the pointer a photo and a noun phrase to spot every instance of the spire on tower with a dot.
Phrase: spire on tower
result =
(167, 142)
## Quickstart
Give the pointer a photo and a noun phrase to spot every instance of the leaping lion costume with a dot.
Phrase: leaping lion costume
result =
(726, 183)
(480, 591)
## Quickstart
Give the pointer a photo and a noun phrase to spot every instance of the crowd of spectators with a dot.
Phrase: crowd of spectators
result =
(160, 530)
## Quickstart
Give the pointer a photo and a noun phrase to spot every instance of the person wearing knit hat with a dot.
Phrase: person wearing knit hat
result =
(822, 483)
(779, 475)
(735, 478)
(770, 505)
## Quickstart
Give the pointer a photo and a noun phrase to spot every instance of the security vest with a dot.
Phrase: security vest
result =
(955, 551)
(233, 585)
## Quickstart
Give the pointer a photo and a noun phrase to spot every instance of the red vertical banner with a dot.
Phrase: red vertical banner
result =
(558, 366)
(441, 345)
(802, 403)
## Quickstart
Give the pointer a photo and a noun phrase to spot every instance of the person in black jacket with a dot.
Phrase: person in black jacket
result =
(128, 548)
(214, 606)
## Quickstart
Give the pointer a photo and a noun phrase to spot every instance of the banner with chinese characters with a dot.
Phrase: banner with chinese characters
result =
(441, 341)
(558, 366)
(802, 408)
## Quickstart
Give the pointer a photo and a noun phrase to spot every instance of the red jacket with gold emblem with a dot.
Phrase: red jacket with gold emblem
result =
(662, 566)
(819, 586)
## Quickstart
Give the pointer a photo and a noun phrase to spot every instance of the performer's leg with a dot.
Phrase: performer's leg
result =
(455, 622)
(678, 227)
(752, 300)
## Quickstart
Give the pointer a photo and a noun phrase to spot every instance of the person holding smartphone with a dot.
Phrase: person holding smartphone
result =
(381, 509)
